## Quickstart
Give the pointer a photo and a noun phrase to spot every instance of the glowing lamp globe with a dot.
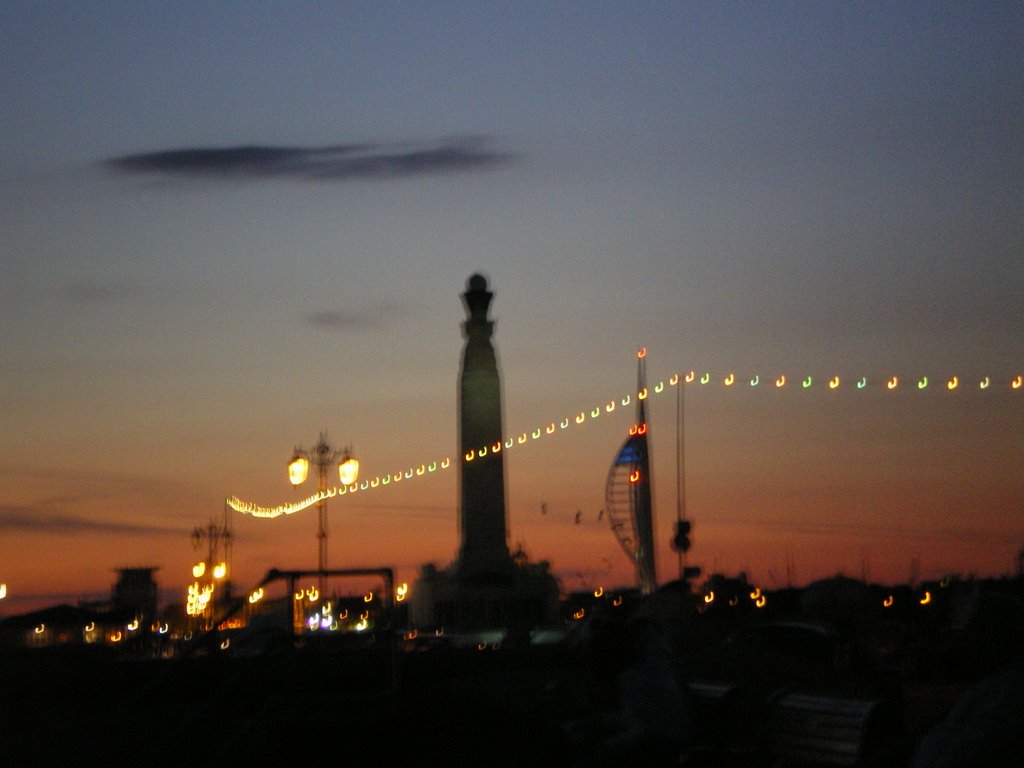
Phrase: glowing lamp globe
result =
(298, 469)
(348, 471)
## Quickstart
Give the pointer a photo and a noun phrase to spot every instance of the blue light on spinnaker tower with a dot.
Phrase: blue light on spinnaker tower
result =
(628, 494)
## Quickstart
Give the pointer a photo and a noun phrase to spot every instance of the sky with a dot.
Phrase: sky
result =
(226, 228)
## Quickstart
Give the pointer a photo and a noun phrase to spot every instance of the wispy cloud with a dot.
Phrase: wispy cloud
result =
(97, 292)
(362, 319)
(331, 163)
(35, 519)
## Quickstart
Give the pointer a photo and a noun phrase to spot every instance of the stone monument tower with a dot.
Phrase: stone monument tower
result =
(487, 587)
(482, 526)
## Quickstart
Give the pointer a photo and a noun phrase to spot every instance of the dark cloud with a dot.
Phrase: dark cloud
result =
(333, 163)
(34, 520)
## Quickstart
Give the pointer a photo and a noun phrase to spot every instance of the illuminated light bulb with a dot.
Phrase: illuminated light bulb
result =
(398, 475)
(536, 433)
(257, 595)
(482, 452)
(470, 455)
(659, 387)
(164, 629)
(598, 592)
(313, 594)
(887, 603)
(132, 625)
(386, 480)
(220, 570)
(610, 407)
(862, 383)
(761, 601)
(198, 570)
(633, 430)
(366, 484)
(893, 383)
(364, 615)
(642, 352)
(923, 382)
(690, 376)
(953, 383)
(348, 471)
(3, 591)
(756, 593)
(563, 423)
(705, 378)
(926, 599)
(710, 597)
(634, 476)
(780, 382)
(496, 448)
(40, 629)
(626, 400)
(90, 626)
(642, 394)
(807, 382)
(833, 383)
(984, 383)
(550, 428)
(617, 601)
(734, 600)
(595, 412)
(508, 444)
(375, 482)
(643, 429)
(368, 597)
(298, 469)
(1018, 382)
(728, 381)
(115, 637)
(445, 463)
(326, 621)
(673, 379)
(581, 417)
(521, 439)
(755, 381)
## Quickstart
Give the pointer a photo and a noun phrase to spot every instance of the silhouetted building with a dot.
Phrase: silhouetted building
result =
(487, 587)
(135, 590)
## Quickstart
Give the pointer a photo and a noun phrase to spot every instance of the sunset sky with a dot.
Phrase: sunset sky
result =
(227, 227)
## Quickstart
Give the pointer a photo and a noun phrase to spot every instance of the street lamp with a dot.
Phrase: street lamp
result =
(323, 456)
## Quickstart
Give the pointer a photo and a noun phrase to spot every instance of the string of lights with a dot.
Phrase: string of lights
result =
(706, 379)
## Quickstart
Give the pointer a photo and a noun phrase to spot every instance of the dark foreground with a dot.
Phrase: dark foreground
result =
(534, 706)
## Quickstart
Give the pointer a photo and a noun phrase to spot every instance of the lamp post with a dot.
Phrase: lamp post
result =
(323, 456)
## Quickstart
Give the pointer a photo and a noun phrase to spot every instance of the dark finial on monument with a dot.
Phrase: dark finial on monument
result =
(477, 298)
